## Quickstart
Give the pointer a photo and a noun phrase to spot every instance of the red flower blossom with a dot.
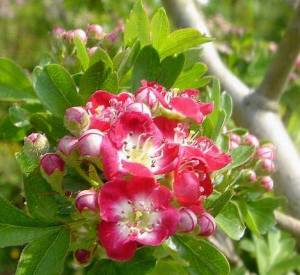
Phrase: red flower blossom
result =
(134, 212)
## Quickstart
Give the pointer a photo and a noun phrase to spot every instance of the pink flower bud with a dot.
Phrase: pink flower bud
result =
(187, 220)
(250, 175)
(81, 35)
(267, 183)
(67, 145)
(82, 256)
(36, 144)
(68, 36)
(139, 108)
(89, 144)
(87, 200)
(53, 169)
(95, 31)
(207, 224)
(266, 151)
(251, 140)
(58, 33)
(235, 138)
(267, 165)
(76, 120)
(91, 51)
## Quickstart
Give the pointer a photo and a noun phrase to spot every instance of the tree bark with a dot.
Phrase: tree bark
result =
(251, 110)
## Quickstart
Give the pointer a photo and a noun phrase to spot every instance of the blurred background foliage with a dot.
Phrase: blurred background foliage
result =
(247, 33)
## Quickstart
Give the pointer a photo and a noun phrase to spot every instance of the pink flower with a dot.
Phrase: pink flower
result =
(67, 145)
(76, 120)
(136, 147)
(81, 34)
(134, 212)
(235, 138)
(87, 200)
(207, 224)
(187, 220)
(105, 108)
(90, 143)
(173, 104)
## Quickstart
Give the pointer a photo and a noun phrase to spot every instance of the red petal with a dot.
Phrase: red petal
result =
(169, 219)
(161, 197)
(154, 237)
(115, 240)
(135, 169)
(113, 200)
(186, 187)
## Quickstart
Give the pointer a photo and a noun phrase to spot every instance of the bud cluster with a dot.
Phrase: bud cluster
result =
(263, 161)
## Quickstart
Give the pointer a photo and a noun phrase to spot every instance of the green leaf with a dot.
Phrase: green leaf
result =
(82, 53)
(190, 78)
(19, 116)
(227, 105)
(230, 222)
(240, 156)
(49, 124)
(172, 266)
(10, 132)
(146, 66)
(94, 79)
(218, 204)
(137, 26)
(56, 89)
(201, 255)
(17, 228)
(283, 267)
(159, 28)
(180, 41)
(128, 59)
(143, 260)
(101, 55)
(27, 164)
(14, 84)
(111, 83)
(170, 68)
(43, 203)
(258, 214)
(45, 255)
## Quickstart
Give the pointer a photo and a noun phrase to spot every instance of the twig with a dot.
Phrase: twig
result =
(278, 72)
(288, 223)
(251, 110)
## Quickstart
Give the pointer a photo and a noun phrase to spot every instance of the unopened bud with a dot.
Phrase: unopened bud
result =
(251, 140)
(87, 200)
(235, 138)
(266, 151)
(53, 169)
(267, 183)
(250, 175)
(67, 145)
(89, 144)
(92, 51)
(187, 220)
(207, 224)
(58, 33)
(81, 35)
(95, 31)
(35, 145)
(76, 120)
(233, 145)
(83, 256)
(266, 166)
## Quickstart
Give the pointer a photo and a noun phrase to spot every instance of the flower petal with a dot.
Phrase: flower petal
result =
(114, 238)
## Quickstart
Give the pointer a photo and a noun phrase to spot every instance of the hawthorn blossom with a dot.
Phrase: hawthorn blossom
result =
(133, 212)
(135, 146)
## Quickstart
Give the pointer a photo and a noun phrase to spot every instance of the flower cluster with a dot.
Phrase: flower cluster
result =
(155, 170)
(263, 160)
